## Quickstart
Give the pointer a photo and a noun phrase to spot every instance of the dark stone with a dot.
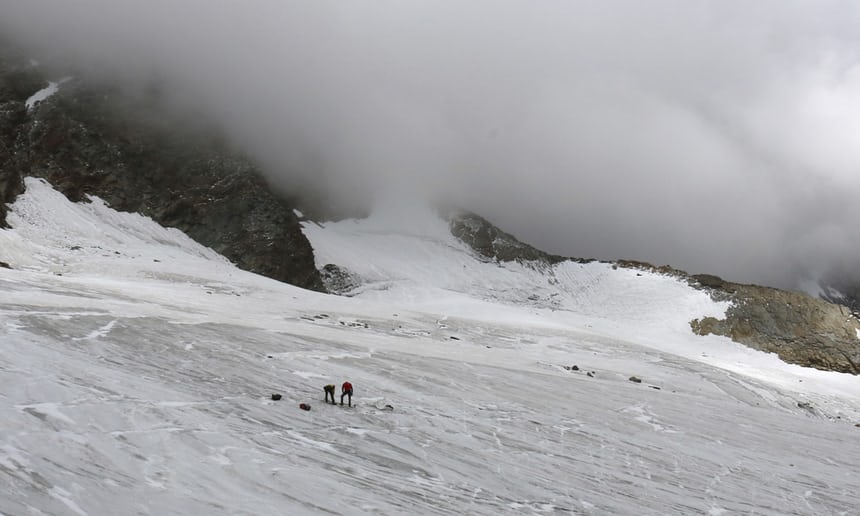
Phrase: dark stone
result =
(276, 397)
(645, 266)
(339, 280)
(709, 280)
(635, 379)
(574, 368)
(590, 374)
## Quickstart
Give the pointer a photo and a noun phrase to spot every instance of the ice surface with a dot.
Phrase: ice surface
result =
(137, 369)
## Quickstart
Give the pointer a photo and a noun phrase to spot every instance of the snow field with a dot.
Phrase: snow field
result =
(137, 369)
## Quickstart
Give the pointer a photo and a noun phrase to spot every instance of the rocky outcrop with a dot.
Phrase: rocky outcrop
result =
(18, 80)
(493, 243)
(799, 328)
(339, 280)
(129, 150)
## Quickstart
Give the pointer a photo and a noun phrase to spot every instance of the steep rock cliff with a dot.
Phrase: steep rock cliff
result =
(799, 328)
(130, 150)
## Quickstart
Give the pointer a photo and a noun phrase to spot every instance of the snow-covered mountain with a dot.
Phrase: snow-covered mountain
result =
(90, 136)
(138, 366)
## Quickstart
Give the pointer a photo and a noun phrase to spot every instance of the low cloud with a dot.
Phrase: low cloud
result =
(714, 136)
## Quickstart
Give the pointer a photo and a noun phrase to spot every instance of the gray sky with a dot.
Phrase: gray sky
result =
(716, 136)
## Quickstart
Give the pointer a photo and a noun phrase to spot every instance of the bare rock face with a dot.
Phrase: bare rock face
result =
(18, 80)
(799, 328)
(843, 288)
(493, 243)
(129, 150)
(339, 280)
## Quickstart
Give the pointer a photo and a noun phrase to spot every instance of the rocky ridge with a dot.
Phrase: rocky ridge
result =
(492, 243)
(96, 139)
(799, 328)
(17, 82)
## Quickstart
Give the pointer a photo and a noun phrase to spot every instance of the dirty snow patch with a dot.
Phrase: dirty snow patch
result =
(45, 410)
(11, 458)
(44, 93)
(65, 497)
(41, 95)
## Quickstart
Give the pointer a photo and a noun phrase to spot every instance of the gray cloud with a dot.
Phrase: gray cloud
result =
(716, 136)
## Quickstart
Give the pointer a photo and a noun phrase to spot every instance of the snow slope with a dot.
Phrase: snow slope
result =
(137, 367)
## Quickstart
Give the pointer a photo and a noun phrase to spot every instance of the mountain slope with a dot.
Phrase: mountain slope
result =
(411, 253)
(130, 149)
(138, 368)
(135, 152)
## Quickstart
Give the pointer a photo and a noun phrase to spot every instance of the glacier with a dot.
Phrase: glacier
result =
(137, 369)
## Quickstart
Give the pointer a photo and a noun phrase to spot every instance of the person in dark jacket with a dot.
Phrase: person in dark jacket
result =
(346, 390)
(329, 392)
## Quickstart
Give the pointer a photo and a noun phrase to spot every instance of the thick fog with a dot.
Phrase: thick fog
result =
(716, 136)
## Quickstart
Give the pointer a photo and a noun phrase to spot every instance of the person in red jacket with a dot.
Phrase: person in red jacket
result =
(346, 390)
